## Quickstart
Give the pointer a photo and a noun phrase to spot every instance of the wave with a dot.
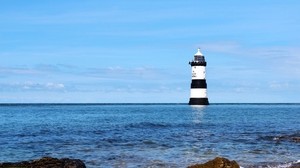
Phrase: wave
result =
(148, 125)
(294, 164)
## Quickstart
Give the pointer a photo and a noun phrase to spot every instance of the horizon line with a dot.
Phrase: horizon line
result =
(1, 104)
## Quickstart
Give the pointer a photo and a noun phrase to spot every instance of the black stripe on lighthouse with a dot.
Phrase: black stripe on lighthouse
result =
(198, 83)
(198, 101)
(203, 63)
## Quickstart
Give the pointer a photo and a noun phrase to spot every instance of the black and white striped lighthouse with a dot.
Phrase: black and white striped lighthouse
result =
(198, 86)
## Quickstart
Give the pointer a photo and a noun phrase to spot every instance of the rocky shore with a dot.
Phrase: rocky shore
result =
(218, 162)
(48, 162)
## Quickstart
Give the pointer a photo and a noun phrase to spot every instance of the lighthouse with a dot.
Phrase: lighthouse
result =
(198, 86)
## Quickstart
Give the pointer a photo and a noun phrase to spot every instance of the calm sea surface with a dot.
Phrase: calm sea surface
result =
(151, 135)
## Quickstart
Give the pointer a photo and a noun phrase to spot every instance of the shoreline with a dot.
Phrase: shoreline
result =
(218, 162)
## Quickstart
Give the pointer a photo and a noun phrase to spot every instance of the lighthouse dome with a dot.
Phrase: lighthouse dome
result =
(198, 53)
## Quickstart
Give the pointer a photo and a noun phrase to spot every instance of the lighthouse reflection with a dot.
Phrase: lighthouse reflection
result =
(198, 112)
(198, 107)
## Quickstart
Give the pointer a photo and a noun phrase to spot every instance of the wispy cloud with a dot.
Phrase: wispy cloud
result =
(276, 85)
(276, 58)
(32, 86)
(38, 69)
(121, 73)
(228, 47)
(106, 79)
(17, 71)
(252, 71)
(57, 18)
(98, 15)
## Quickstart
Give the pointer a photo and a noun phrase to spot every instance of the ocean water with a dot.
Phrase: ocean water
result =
(151, 135)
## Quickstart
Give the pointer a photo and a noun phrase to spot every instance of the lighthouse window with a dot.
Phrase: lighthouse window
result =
(199, 59)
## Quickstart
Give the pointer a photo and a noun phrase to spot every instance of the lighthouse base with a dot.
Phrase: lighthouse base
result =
(198, 101)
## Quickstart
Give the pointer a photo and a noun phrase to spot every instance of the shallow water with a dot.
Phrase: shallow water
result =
(151, 135)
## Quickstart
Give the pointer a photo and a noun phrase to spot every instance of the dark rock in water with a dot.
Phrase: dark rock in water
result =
(279, 138)
(291, 138)
(295, 165)
(296, 139)
(217, 163)
(46, 162)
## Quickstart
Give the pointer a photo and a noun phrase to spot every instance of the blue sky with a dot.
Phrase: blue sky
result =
(135, 51)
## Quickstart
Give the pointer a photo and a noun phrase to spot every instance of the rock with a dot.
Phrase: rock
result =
(295, 165)
(218, 162)
(296, 139)
(46, 162)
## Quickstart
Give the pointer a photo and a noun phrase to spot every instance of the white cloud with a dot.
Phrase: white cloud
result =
(278, 85)
(54, 86)
(41, 86)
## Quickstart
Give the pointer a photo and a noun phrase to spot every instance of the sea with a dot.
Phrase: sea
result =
(152, 135)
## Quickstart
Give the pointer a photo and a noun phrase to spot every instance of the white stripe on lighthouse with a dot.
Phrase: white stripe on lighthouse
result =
(198, 93)
(198, 72)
